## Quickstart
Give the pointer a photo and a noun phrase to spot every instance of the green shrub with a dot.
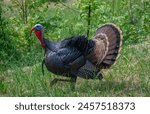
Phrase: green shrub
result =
(131, 16)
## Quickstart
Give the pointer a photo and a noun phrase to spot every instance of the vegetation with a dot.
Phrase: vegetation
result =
(21, 54)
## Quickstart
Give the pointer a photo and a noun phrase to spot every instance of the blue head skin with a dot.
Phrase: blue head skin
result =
(38, 27)
(39, 31)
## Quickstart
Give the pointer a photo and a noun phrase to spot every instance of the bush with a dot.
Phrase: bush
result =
(8, 50)
(131, 16)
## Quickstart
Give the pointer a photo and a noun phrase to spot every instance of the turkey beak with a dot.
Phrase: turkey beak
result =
(32, 29)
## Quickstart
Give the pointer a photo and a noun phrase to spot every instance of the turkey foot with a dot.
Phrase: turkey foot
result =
(100, 76)
(54, 81)
(72, 80)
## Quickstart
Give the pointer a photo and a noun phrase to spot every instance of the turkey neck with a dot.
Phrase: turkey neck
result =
(40, 34)
(50, 45)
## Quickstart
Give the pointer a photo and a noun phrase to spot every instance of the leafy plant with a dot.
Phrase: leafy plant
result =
(8, 50)
(131, 16)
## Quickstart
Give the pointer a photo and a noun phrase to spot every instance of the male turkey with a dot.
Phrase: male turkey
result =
(78, 56)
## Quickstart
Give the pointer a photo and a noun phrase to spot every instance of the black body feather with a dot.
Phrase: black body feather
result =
(68, 57)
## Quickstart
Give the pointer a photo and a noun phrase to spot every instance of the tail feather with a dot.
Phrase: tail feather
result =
(114, 35)
(108, 40)
(101, 49)
(112, 52)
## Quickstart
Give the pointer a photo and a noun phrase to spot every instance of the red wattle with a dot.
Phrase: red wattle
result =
(39, 36)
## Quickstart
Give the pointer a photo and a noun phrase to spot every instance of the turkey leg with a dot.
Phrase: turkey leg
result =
(54, 81)
(72, 80)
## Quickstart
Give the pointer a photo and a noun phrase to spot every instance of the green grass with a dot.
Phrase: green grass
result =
(130, 76)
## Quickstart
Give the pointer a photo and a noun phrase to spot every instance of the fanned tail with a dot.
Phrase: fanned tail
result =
(108, 42)
(114, 35)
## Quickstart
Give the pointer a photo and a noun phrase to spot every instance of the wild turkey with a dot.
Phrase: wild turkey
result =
(78, 56)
